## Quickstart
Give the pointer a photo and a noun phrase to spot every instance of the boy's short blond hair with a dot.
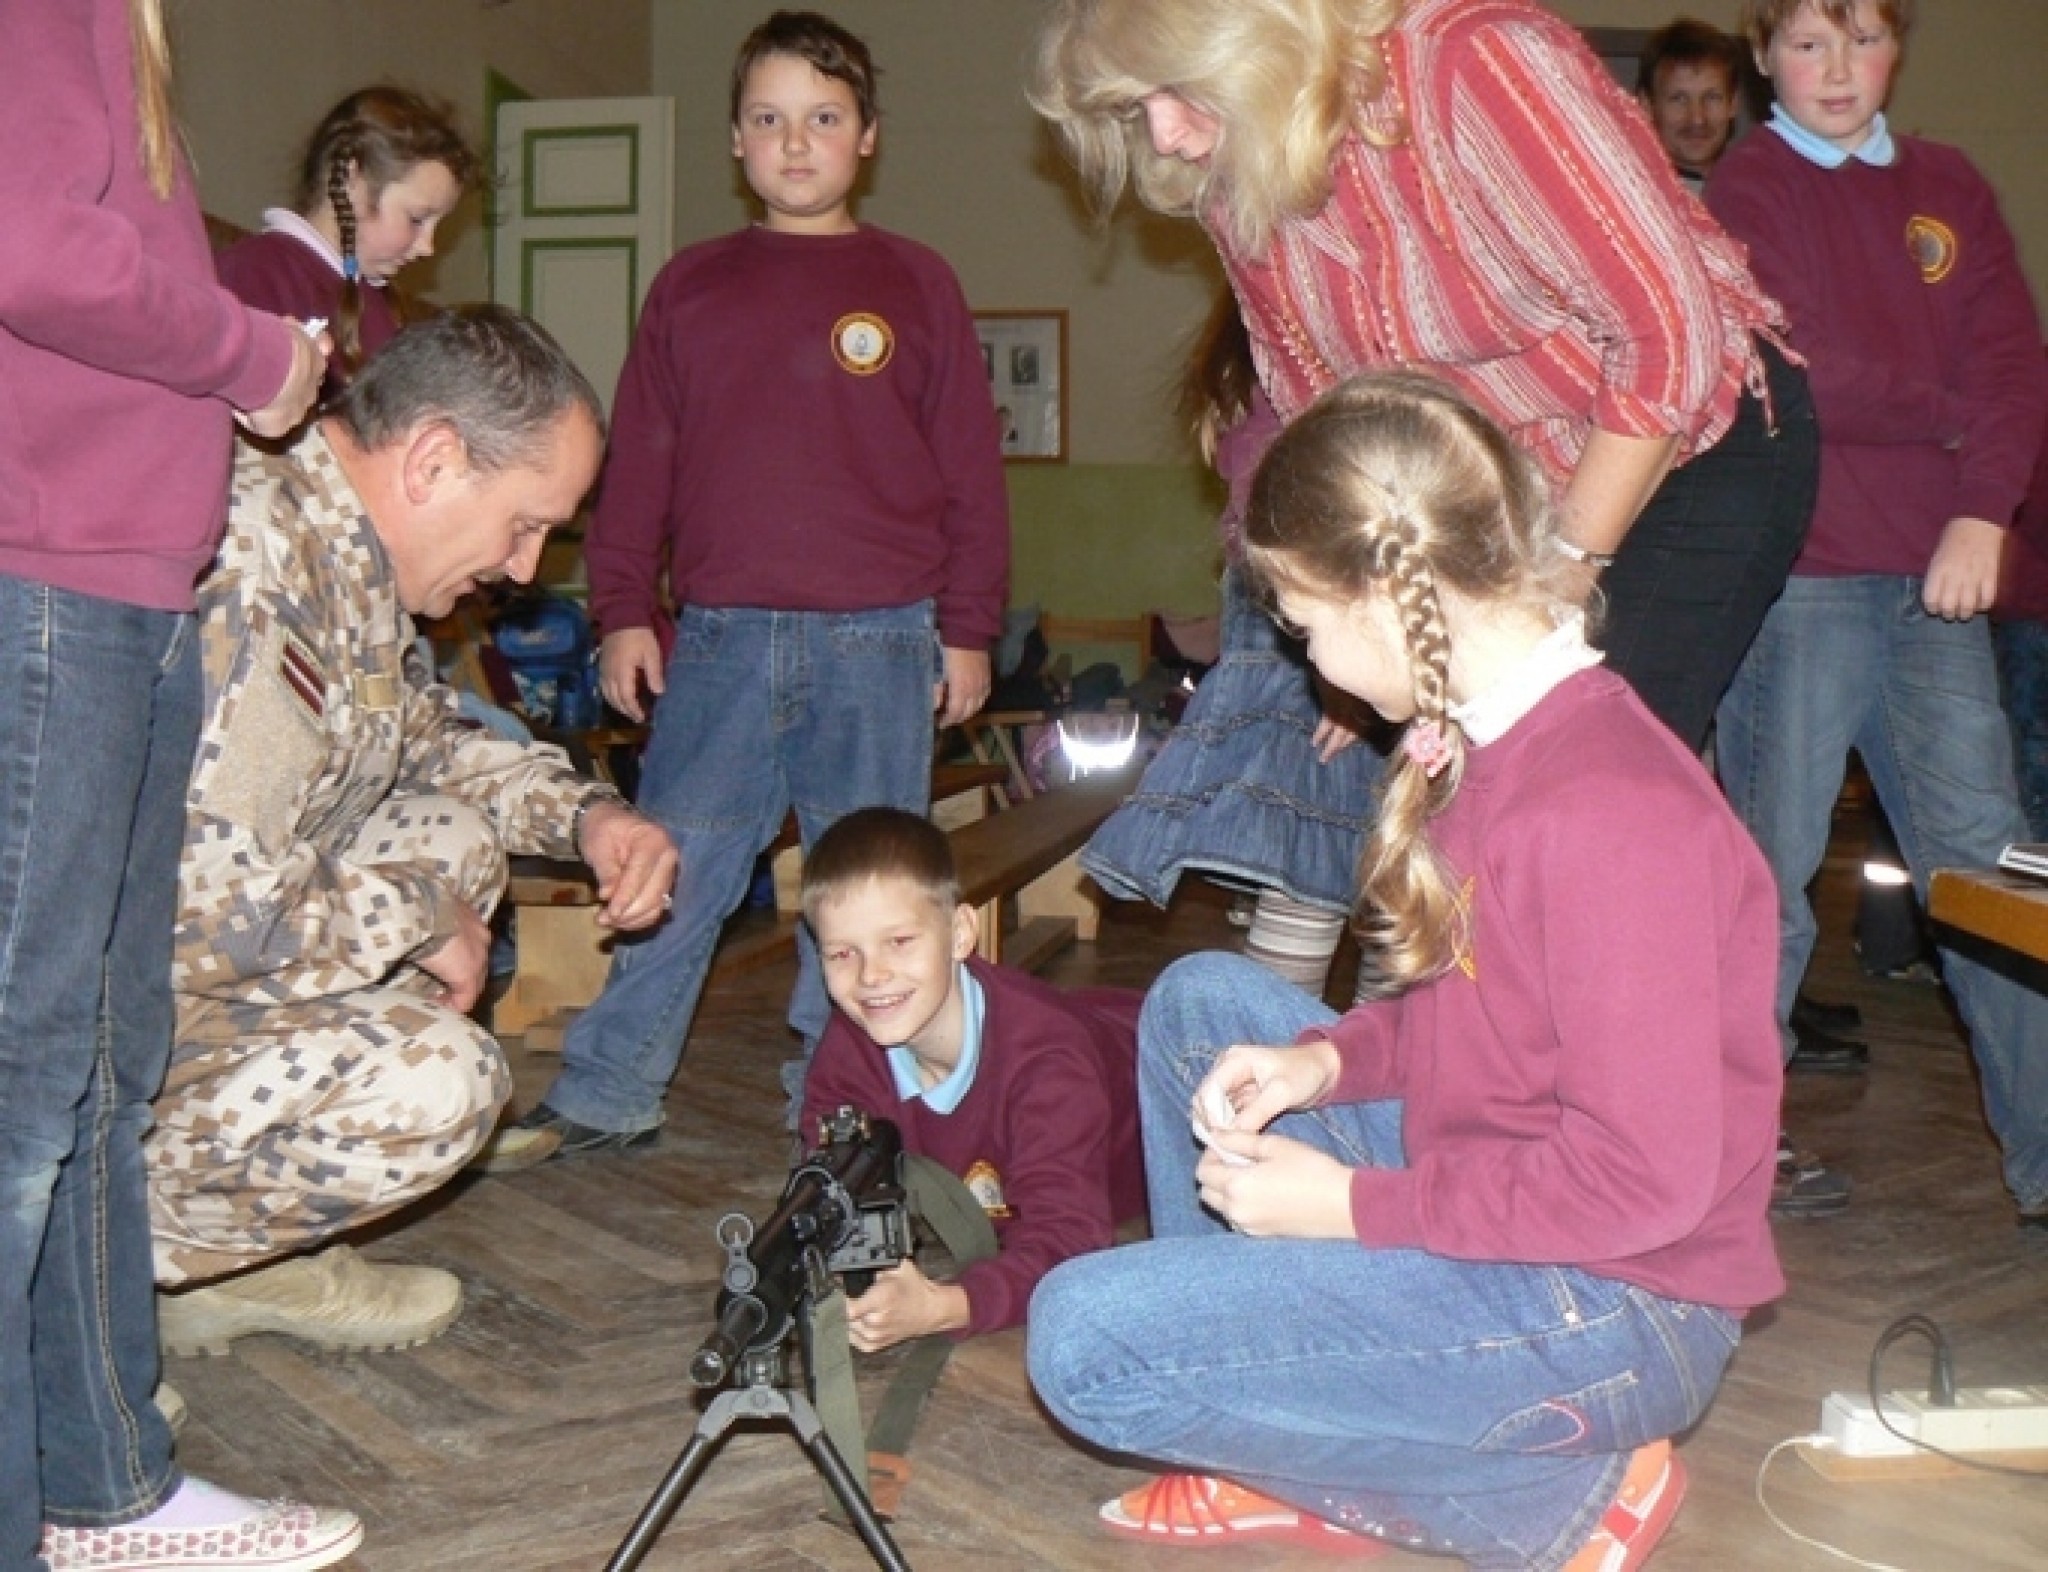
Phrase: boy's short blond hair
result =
(1761, 19)
(879, 843)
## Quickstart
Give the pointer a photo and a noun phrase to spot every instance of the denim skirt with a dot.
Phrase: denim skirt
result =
(1237, 793)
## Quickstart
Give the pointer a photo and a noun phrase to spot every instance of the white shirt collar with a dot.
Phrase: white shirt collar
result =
(946, 1096)
(283, 221)
(1878, 149)
(1489, 716)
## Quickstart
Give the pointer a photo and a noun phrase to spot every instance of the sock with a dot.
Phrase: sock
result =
(196, 1504)
(1293, 940)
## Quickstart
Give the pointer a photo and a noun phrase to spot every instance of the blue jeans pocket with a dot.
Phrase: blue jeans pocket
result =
(1600, 1417)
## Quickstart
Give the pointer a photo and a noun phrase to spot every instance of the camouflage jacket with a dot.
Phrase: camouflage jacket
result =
(318, 708)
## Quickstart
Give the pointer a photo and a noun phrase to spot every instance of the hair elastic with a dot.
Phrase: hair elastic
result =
(1427, 747)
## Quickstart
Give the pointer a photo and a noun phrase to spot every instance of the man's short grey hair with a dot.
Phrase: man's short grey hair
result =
(497, 378)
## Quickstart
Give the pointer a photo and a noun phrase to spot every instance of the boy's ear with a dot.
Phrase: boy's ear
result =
(966, 931)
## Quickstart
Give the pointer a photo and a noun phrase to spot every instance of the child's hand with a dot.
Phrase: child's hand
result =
(1286, 1190)
(964, 689)
(625, 660)
(1248, 1087)
(903, 1303)
(1962, 578)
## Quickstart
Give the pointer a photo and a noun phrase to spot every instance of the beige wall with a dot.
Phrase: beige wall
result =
(254, 76)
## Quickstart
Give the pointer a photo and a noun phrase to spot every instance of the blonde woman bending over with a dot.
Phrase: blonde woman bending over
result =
(1458, 187)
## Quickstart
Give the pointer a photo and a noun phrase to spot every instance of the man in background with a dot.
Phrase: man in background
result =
(1690, 81)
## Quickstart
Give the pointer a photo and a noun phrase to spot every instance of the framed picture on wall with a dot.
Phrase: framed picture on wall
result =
(1025, 356)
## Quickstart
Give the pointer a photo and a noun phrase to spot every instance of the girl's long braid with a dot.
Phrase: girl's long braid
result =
(1410, 912)
(348, 325)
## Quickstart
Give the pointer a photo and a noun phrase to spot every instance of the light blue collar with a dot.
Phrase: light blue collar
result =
(1878, 148)
(946, 1096)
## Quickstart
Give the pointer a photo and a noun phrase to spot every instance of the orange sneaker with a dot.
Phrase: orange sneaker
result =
(1198, 1510)
(1635, 1520)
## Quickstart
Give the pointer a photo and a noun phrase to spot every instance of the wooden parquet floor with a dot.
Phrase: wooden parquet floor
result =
(528, 1436)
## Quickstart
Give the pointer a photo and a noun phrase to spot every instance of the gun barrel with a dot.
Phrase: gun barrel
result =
(739, 1321)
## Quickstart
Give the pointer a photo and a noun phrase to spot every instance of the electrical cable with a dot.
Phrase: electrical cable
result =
(1825, 1444)
(1941, 1392)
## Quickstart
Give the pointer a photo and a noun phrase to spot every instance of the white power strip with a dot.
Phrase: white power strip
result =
(1982, 1419)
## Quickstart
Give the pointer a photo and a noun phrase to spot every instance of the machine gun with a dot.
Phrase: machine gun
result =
(843, 1213)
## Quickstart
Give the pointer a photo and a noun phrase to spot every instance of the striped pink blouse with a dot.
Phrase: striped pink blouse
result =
(1523, 237)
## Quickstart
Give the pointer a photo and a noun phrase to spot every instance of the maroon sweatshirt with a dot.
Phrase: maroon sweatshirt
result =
(1921, 342)
(804, 423)
(1049, 1128)
(120, 355)
(1596, 1083)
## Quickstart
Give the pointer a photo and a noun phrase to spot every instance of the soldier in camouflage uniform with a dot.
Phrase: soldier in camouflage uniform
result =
(347, 838)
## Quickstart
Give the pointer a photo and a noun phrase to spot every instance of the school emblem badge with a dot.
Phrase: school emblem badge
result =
(986, 1186)
(862, 343)
(1933, 245)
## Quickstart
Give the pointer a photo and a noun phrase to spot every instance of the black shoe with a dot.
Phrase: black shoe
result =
(580, 1139)
(1823, 1053)
(2035, 1217)
(1803, 1187)
(1829, 1017)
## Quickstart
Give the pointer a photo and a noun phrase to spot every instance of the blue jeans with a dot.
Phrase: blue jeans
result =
(1858, 663)
(99, 714)
(2022, 649)
(825, 712)
(1476, 1409)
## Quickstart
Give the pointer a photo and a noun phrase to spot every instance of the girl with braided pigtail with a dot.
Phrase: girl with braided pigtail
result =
(1472, 1253)
(380, 172)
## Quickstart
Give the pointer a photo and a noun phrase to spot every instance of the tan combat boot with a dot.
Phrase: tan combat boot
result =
(334, 1299)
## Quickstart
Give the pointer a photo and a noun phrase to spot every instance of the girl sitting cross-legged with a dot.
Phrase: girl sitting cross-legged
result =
(1470, 1256)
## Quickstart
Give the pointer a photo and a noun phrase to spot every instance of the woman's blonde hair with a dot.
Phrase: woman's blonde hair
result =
(1393, 484)
(1282, 78)
(151, 49)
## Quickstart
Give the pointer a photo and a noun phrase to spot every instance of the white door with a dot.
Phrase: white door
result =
(584, 219)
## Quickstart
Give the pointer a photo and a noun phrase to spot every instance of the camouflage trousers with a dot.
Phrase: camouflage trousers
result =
(281, 1125)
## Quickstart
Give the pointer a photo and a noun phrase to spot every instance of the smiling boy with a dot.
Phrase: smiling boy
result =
(1026, 1094)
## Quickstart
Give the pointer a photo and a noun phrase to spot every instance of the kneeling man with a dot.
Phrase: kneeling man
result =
(347, 837)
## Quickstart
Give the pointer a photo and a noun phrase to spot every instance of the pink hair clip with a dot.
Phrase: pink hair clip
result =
(1427, 747)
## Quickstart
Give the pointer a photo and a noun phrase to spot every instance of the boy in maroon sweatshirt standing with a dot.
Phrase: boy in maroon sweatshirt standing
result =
(1906, 297)
(804, 445)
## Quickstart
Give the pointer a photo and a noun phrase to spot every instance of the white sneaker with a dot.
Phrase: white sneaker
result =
(276, 1536)
(334, 1299)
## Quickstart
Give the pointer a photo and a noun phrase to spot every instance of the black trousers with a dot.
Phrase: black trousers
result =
(1709, 554)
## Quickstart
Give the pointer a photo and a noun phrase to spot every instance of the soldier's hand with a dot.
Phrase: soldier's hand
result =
(462, 962)
(635, 863)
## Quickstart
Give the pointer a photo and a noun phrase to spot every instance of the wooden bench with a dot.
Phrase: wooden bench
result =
(564, 955)
(1033, 853)
(2009, 909)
